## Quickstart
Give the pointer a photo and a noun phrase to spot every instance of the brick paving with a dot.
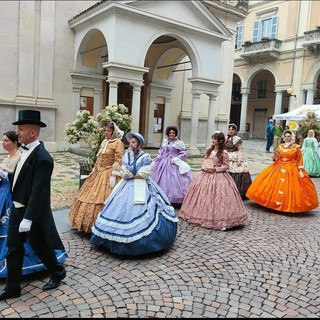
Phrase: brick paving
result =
(267, 269)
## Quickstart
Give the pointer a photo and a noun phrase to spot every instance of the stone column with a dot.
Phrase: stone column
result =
(310, 96)
(113, 93)
(166, 115)
(26, 53)
(194, 123)
(97, 101)
(46, 53)
(243, 116)
(136, 106)
(210, 123)
(76, 101)
(278, 103)
(152, 104)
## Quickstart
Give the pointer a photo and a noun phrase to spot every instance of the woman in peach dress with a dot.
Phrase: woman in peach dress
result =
(285, 185)
(99, 184)
(213, 200)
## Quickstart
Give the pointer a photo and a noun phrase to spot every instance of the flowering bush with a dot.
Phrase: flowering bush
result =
(89, 129)
(118, 114)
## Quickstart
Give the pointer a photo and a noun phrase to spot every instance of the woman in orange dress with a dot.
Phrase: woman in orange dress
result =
(285, 185)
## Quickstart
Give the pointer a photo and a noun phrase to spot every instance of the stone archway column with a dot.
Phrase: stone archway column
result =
(76, 101)
(310, 96)
(244, 109)
(278, 102)
(46, 53)
(26, 53)
(210, 123)
(97, 101)
(194, 123)
(152, 105)
(113, 92)
(166, 115)
(135, 111)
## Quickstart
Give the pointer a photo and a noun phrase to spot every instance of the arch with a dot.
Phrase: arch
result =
(92, 51)
(186, 44)
(255, 70)
(314, 72)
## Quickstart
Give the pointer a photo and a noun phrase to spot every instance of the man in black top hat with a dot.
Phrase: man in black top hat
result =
(31, 217)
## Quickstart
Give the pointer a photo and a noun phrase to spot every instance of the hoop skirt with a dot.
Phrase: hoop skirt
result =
(311, 159)
(89, 200)
(127, 226)
(171, 172)
(213, 200)
(280, 187)
(31, 262)
(238, 165)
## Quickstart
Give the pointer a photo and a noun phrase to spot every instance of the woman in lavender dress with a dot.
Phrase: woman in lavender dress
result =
(213, 200)
(137, 217)
(170, 169)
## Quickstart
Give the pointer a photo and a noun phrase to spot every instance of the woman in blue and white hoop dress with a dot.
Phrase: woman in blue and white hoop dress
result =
(137, 218)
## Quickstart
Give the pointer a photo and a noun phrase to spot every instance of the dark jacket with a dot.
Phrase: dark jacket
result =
(33, 189)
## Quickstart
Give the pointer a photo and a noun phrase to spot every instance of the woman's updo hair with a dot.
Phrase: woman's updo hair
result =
(233, 126)
(12, 136)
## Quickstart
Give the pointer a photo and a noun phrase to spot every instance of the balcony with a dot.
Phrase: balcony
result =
(268, 49)
(312, 41)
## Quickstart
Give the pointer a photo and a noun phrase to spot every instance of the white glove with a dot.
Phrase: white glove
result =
(127, 175)
(3, 174)
(25, 225)
(112, 181)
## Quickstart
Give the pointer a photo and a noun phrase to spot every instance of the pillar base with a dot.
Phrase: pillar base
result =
(243, 135)
(193, 151)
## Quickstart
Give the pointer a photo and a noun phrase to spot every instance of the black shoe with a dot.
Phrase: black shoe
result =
(7, 294)
(54, 282)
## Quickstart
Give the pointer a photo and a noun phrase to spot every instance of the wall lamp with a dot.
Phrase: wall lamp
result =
(290, 92)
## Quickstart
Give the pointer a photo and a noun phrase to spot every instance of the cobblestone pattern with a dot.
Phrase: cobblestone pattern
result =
(267, 269)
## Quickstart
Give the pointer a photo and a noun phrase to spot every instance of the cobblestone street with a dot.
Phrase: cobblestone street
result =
(268, 269)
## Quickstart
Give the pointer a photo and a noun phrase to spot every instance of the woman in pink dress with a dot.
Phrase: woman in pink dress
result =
(213, 200)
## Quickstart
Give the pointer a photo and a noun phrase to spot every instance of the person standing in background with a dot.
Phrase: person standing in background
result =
(31, 217)
(277, 133)
(170, 169)
(238, 165)
(269, 135)
(311, 160)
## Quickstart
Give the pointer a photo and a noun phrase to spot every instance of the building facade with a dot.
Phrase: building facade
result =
(277, 63)
(169, 62)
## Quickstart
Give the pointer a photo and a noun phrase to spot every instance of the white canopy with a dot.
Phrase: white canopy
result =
(299, 113)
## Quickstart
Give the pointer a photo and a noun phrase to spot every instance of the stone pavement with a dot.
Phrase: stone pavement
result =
(268, 268)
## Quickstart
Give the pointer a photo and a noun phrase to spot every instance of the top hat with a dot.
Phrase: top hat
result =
(138, 136)
(29, 117)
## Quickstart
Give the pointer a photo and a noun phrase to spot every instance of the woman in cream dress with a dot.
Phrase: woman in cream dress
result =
(98, 186)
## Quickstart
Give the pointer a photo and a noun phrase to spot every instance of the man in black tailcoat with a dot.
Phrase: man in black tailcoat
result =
(31, 217)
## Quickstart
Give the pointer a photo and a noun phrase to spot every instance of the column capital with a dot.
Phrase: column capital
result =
(245, 90)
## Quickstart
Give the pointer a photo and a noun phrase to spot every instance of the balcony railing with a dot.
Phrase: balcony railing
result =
(267, 49)
(312, 40)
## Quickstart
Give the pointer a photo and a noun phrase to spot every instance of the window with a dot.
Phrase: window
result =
(262, 89)
(265, 28)
(239, 37)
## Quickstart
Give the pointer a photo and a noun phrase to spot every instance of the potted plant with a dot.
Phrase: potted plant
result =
(247, 43)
